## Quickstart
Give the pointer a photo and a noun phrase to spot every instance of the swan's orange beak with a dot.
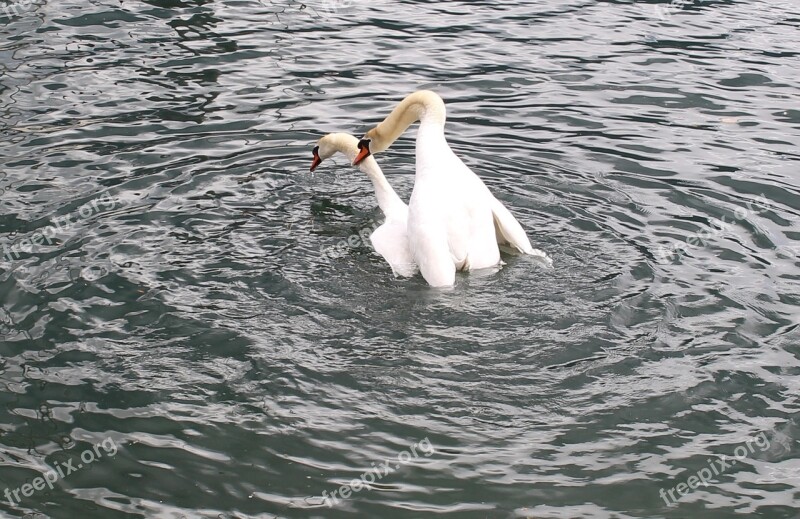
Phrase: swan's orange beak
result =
(317, 161)
(363, 151)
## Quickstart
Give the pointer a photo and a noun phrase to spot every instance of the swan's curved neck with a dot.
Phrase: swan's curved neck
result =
(388, 200)
(346, 144)
(424, 106)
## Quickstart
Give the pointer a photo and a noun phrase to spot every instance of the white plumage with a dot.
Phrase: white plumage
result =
(454, 222)
(390, 240)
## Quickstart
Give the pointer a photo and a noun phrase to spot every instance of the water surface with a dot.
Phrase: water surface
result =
(165, 287)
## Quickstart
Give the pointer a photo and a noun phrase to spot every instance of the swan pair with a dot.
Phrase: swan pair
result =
(452, 221)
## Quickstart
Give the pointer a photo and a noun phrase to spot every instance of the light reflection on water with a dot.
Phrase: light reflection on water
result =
(242, 371)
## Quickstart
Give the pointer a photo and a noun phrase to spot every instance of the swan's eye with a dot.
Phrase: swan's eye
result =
(315, 151)
(364, 143)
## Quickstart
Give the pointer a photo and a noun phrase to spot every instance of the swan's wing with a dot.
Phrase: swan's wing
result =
(390, 240)
(434, 259)
(483, 250)
(433, 244)
(509, 231)
(429, 245)
(507, 228)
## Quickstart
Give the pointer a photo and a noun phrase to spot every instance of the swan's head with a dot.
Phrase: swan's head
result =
(317, 160)
(332, 144)
(372, 142)
(418, 106)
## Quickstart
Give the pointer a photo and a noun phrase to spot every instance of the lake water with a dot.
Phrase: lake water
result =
(187, 329)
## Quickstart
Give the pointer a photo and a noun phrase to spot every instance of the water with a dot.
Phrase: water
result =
(174, 312)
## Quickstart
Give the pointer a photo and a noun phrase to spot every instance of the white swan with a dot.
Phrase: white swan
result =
(454, 221)
(390, 240)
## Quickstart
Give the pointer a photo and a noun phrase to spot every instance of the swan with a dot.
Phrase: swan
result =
(454, 221)
(390, 239)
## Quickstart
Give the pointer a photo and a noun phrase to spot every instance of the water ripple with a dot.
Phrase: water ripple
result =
(166, 283)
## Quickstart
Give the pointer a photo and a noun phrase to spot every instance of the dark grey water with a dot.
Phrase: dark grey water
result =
(168, 307)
